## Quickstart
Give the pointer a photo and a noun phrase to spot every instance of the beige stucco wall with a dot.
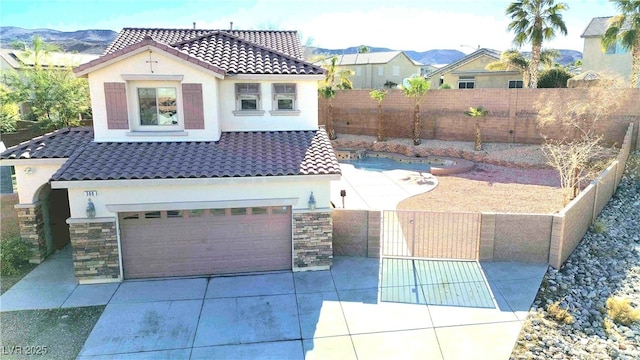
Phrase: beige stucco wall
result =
(307, 104)
(196, 193)
(31, 177)
(594, 59)
(485, 79)
(370, 78)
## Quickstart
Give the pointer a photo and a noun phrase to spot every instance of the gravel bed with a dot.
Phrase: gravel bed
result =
(522, 155)
(605, 264)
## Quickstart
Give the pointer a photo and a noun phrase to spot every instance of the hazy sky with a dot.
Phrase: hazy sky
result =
(397, 24)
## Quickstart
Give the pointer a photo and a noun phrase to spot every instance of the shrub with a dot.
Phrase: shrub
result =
(599, 227)
(14, 252)
(559, 314)
(620, 310)
(554, 78)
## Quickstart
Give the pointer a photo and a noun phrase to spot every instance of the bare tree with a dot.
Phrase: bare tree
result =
(578, 115)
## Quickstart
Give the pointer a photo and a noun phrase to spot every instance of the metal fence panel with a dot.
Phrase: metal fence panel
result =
(423, 234)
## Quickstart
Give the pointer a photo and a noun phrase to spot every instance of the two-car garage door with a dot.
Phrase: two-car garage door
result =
(205, 241)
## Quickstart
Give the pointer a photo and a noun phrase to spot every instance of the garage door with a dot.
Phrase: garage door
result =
(205, 241)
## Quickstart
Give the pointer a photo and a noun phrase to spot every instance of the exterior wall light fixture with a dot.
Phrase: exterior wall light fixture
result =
(312, 202)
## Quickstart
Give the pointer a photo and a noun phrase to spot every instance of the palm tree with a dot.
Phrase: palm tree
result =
(379, 95)
(328, 93)
(513, 59)
(416, 89)
(625, 28)
(477, 113)
(38, 49)
(534, 21)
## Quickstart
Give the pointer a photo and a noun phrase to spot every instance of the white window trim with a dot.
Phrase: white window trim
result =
(395, 70)
(275, 96)
(134, 106)
(239, 97)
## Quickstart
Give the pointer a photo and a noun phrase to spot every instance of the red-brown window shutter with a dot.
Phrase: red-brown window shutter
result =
(193, 106)
(116, 101)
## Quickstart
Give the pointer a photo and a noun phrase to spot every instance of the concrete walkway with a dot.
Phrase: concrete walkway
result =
(342, 313)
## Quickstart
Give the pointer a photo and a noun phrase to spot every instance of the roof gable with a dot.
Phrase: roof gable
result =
(493, 54)
(217, 51)
(286, 42)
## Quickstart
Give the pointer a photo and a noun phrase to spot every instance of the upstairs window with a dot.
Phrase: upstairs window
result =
(248, 97)
(616, 48)
(515, 84)
(284, 97)
(158, 106)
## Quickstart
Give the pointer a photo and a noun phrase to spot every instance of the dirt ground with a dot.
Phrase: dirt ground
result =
(46, 334)
(492, 188)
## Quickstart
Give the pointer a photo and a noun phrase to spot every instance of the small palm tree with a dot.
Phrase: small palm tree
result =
(477, 113)
(534, 21)
(416, 89)
(37, 48)
(379, 95)
(625, 28)
(328, 93)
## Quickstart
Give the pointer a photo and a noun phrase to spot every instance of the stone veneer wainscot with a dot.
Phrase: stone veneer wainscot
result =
(312, 240)
(94, 245)
(31, 222)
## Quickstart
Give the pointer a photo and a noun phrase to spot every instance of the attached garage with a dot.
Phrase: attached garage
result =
(205, 241)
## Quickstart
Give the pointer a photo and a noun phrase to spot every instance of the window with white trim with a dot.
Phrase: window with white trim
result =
(158, 106)
(284, 97)
(466, 82)
(516, 84)
(396, 70)
(248, 97)
(380, 70)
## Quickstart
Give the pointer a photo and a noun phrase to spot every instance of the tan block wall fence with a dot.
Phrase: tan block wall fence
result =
(511, 118)
(539, 238)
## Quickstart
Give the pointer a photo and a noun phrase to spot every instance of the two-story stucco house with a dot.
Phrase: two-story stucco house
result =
(205, 157)
(378, 70)
(470, 73)
(612, 61)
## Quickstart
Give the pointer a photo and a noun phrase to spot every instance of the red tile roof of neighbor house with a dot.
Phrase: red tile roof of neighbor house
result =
(232, 52)
(237, 154)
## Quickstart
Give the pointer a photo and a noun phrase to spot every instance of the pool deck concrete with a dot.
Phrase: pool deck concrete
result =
(375, 189)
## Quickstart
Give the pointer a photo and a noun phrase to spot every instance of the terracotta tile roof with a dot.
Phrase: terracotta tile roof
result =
(237, 154)
(235, 52)
(59, 144)
(238, 56)
(286, 42)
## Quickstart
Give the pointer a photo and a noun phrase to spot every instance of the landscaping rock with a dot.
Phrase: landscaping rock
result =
(602, 265)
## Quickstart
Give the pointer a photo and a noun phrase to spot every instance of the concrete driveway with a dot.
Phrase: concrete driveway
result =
(336, 314)
(361, 309)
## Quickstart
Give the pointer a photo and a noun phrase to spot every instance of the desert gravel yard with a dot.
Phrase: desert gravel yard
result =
(492, 188)
(46, 334)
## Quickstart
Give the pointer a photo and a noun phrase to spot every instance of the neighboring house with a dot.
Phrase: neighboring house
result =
(378, 70)
(18, 60)
(615, 60)
(205, 158)
(470, 73)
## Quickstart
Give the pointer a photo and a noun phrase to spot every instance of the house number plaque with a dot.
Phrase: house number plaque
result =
(90, 193)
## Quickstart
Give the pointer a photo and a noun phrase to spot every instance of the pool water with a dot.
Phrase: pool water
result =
(376, 163)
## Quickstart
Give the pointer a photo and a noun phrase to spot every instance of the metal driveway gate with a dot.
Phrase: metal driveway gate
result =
(438, 235)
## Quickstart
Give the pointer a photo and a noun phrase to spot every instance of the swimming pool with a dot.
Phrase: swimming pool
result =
(381, 163)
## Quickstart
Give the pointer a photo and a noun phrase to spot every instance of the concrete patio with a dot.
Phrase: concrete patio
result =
(358, 309)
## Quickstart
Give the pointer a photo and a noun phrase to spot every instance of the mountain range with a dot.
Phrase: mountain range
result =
(96, 41)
